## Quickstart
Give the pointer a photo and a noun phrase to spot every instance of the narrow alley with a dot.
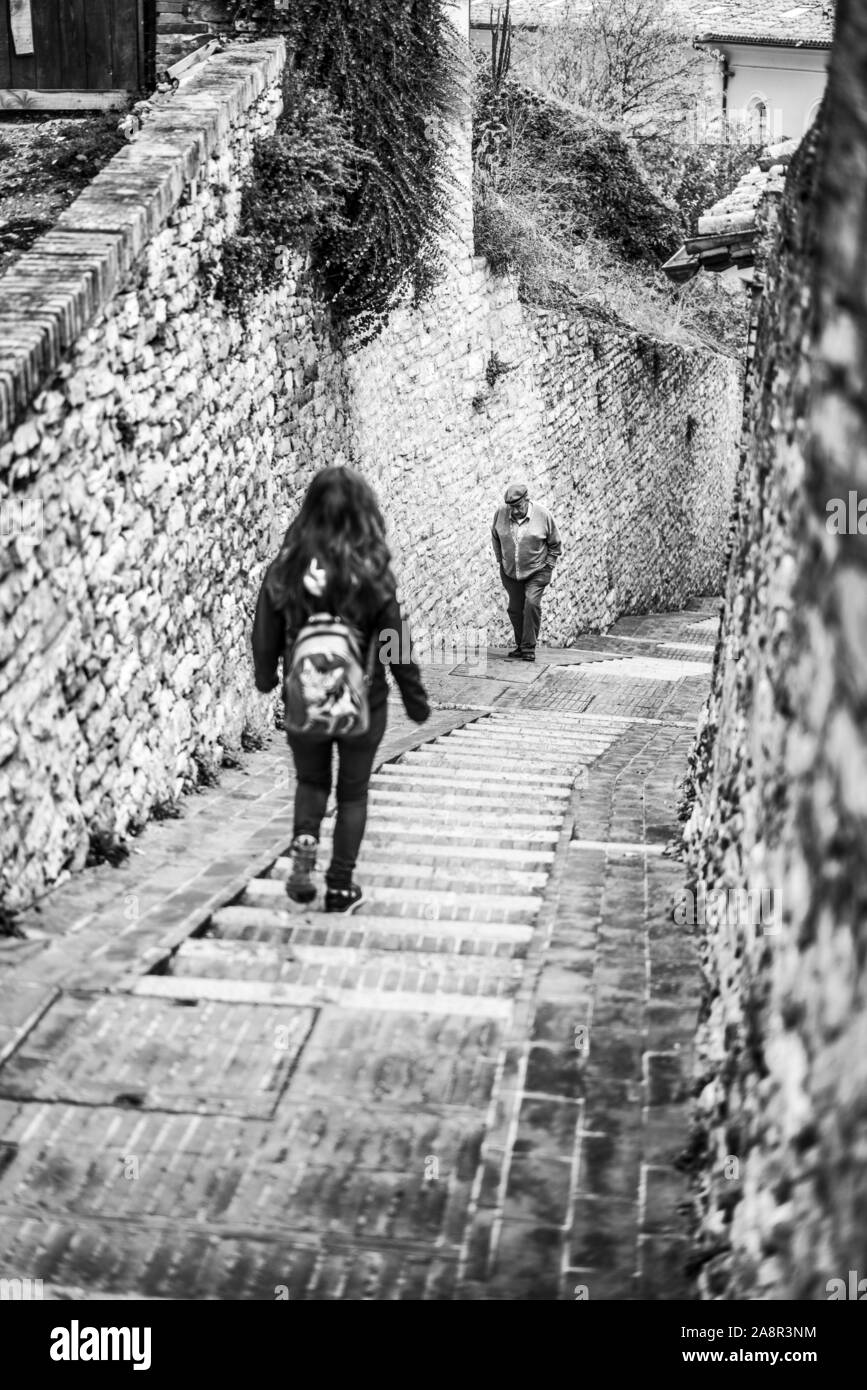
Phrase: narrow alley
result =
(474, 1088)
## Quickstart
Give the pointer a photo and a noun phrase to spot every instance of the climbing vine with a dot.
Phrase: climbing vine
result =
(380, 199)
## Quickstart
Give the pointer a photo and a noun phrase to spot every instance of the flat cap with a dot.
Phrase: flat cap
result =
(515, 491)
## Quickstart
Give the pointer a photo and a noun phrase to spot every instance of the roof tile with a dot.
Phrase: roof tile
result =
(790, 21)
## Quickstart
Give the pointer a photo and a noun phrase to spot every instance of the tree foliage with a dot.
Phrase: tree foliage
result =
(631, 63)
(618, 58)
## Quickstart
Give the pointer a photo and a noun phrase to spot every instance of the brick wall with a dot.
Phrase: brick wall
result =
(167, 446)
(782, 763)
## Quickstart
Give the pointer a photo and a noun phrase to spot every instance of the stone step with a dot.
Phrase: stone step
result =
(420, 847)
(438, 904)
(565, 748)
(288, 925)
(392, 817)
(544, 742)
(546, 716)
(274, 994)
(450, 905)
(347, 967)
(517, 769)
(556, 753)
(419, 779)
(513, 737)
(419, 801)
(389, 806)
(403, 872)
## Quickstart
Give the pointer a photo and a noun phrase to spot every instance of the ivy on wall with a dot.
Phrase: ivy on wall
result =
(299, 182)
(380, 194)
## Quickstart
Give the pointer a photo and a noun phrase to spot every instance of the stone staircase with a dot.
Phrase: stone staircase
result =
(461, 839)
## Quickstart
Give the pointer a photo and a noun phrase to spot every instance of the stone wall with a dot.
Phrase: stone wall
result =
(153, 449)
(781, 1121)
(630, 443)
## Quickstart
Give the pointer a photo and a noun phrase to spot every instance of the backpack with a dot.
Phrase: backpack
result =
(325, 681)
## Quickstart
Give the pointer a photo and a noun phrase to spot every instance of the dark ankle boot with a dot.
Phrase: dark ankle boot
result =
(300, 885)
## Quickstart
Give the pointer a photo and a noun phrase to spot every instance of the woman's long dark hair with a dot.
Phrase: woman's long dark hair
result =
(341, 527)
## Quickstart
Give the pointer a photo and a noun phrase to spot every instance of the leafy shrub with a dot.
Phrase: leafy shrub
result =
(393, 71)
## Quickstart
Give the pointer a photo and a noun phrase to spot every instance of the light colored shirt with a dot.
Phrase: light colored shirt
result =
(523, 547)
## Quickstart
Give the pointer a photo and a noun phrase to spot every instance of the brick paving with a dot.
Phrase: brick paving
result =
(474, 1088)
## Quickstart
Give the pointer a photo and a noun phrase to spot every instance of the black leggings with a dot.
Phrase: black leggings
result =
(313, 786)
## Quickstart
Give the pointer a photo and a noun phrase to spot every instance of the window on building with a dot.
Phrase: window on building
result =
(759, 129)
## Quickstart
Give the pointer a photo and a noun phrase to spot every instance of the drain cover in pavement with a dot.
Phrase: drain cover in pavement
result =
(155, 1054)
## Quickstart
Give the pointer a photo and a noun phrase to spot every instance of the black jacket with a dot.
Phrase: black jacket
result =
(387, 626)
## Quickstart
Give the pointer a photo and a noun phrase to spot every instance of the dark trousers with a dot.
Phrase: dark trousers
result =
(313, 786)
(525, 605)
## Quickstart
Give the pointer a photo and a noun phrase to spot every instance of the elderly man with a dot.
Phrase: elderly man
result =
(526, 544)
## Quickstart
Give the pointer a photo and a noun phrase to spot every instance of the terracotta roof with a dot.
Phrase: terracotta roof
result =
(780, 22)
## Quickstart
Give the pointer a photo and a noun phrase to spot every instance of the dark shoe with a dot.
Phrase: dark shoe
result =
(518, 652)
(343, 899)
(528, 656)
(299, 885)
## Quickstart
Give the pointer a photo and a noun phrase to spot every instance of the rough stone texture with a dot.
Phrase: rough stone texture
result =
(782, 761)
(168, 445)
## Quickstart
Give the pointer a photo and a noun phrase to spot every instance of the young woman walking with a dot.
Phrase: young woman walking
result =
(334, 559)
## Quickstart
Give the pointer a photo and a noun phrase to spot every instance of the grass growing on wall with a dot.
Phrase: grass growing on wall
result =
(560, 201)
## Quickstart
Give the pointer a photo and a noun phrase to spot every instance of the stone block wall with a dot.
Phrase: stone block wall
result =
(781, 1118)
(631, 444)
(165, 446)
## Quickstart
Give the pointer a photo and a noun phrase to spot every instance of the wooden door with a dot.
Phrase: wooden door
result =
(78, 45)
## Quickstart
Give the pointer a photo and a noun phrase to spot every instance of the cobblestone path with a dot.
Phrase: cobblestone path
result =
(474, 1088)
